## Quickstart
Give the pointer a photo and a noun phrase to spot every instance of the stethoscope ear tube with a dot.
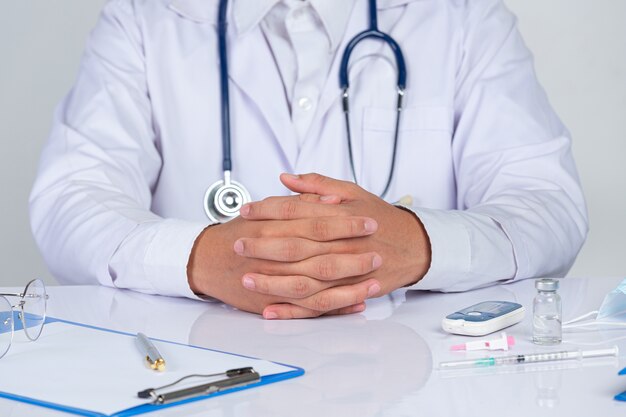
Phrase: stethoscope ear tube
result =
(344, 84)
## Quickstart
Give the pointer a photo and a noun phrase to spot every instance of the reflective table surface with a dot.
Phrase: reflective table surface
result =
(383, 362)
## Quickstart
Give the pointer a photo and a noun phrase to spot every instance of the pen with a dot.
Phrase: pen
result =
(153, 357)
(234, 378)
(530, 358)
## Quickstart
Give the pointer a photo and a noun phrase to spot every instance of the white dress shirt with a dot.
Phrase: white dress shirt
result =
(119, 194)
(303, 36)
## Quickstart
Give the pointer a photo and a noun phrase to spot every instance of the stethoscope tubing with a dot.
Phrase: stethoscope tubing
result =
(213, 207)
(344, 83)
(224, 91)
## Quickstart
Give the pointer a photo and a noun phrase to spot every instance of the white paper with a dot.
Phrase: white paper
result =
(102, 371)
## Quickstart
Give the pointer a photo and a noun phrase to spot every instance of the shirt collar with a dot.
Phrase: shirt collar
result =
(247, 14)
(206, 11)
(333, 14)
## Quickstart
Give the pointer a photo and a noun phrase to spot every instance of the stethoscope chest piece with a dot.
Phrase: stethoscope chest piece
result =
(224, 199)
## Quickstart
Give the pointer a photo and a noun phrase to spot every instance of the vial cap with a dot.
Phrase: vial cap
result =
(547, 284)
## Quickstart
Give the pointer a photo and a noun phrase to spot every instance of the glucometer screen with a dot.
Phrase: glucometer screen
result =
(485, 311)
(497, 308)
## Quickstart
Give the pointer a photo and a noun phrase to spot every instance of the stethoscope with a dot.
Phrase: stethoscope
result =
(224, 198)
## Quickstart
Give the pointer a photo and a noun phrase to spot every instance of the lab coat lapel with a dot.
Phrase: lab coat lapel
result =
(253, 70)
(331, 92)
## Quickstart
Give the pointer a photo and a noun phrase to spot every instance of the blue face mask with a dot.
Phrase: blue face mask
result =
(612, 312)
(614, 305)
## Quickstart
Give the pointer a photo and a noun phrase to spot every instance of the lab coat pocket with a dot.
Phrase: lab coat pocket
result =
(424, 165)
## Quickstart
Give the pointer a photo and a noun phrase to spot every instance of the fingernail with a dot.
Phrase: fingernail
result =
(370, 225)
(238, 247)
(327, 197)
(377, 261)
(373, 290)
(248, 282)
(293, 176)
(270, 315)
(245, 210)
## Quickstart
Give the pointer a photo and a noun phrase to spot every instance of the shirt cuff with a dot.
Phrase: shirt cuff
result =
(153, 258)
(167, 256)
(468, 250)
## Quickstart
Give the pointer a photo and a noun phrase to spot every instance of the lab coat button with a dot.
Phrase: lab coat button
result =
(305, 103)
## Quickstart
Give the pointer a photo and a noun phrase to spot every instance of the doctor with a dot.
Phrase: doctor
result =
(483, 186)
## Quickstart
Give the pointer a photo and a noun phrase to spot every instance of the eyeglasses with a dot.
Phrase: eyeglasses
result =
(30, 312)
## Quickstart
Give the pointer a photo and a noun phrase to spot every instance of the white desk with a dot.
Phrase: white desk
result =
(379, 363)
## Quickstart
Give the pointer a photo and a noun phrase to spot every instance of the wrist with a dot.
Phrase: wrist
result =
(197, 261)
(419, 249)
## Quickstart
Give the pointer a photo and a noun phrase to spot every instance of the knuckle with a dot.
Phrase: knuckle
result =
(315, 177)
(291, 250)
(365, 265)
(321, 229)
(355, 227)
(288, 209)
(300, 288)
(323, 302)
(308, 198)
(326, 268)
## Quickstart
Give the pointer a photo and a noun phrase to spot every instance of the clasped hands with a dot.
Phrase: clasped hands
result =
(322, 251)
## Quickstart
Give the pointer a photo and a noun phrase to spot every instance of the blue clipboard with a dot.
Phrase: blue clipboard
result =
(292, 372)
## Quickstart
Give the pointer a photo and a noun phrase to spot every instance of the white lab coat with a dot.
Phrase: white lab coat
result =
(119, 195)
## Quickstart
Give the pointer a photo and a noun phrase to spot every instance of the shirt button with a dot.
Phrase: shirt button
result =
(305, 103)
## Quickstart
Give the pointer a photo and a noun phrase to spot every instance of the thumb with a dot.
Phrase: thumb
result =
(318, 184)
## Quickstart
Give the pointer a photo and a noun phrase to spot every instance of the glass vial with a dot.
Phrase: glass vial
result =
(547, 313)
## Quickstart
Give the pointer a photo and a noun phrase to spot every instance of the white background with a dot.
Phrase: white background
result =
(580, 51)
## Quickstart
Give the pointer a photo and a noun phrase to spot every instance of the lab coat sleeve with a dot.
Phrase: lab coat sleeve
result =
(521, 211)
(90, 205)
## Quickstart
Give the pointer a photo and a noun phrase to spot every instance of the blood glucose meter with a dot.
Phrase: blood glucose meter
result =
(483, 318)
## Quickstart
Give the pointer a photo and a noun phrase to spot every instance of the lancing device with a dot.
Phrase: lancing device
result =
(152, 355)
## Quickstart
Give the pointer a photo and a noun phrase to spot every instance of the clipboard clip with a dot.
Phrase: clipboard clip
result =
(234, 378)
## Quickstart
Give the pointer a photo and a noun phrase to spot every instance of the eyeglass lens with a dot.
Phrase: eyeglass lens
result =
(34, 308)
(6, 325)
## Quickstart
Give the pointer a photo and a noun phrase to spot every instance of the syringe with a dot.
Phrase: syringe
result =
(530, 358)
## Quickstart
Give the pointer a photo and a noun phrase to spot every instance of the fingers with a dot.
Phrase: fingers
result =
(319, 184)
(315, 198)
(345, 299)
(321, 229)
(307, 241)
(330, 267)
(287, 208)
(291, 286)
(290, 311)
